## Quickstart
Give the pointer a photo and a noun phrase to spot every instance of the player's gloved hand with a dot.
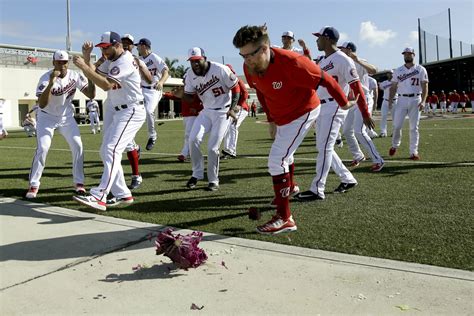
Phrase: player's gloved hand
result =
(233, 115)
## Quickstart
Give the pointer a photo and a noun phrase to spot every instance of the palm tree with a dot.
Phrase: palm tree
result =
(175, 72)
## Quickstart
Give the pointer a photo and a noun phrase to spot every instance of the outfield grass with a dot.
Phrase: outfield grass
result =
(411, 211)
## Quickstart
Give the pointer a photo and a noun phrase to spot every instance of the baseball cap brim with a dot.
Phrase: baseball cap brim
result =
(317, 34)
(103, 45)
(196, 58)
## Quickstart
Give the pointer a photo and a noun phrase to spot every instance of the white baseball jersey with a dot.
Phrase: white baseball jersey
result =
(155, 65)
(124, 72)
(341, 68)
(363, 76)
(385, 86)
(372, 87)
(92, 106)
(409, 79)
(293, 49)
(214, 88)
(62, 92)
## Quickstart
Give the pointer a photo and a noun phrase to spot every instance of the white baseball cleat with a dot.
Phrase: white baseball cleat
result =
(31, 194)
(90, 201)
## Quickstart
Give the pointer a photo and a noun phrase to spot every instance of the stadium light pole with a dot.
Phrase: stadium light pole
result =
(450, 37)
(420, 55)
(68, 37)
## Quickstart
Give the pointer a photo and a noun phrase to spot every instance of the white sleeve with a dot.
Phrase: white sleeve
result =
(160, 64)
(349, 71)
(122, 69)
(81, 82)
(42, 84)
(424, 75)
(230, 80)
(188, 87)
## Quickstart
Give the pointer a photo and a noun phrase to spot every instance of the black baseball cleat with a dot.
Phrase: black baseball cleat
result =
(212, 187)
(227, 154)
(136, 182)
(150, 144)
(308, 196)
(344, 187)
(192, 183)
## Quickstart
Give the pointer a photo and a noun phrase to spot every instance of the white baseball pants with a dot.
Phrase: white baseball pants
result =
(120, 128)
(327, 130)
(45, 127)
(355, 130)
(188, 122)
(434, 106)
(287, 140)
(442, 106)
(232, 135)
(454, 107)
(407, 106)
(384, 113)
(214, 123)
(152, 98)
(95, 122)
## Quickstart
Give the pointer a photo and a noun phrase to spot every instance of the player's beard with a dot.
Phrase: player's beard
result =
(408, 59)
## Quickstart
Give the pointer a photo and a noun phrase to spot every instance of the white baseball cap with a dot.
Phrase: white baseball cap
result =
(409, 50)
(61, 55)
(289, 34)
(196, 53)
(128, 36)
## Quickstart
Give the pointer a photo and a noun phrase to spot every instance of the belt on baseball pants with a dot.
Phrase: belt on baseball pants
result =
(227, 106)
(410, 95)
(151, 88)
(326, 100)
(395, 99)
(125, 106)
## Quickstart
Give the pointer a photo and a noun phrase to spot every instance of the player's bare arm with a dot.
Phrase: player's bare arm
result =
(371, 69)
(91, 74)
(393, 91)
(306, 52)
(424, 94)
(43, 99)
(87, 48)
(234, 108)
(145, 74)
(161, 82)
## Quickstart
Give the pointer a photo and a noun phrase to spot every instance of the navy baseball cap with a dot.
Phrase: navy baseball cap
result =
(108, 39)
(144, 41)
(349, 45)
(328, 31)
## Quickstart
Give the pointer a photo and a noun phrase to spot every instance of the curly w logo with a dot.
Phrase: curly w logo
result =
(277, 85)
(285, 192)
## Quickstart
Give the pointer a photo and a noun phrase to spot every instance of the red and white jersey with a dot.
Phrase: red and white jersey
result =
(214, 88)
(385, 86)
(62, 92)
(92, 106)
(433, 99)
(155, 65)
(410, 79)
(124, 72)
(341, 68)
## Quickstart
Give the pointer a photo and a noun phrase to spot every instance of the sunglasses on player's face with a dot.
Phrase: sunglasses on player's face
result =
(252, 54)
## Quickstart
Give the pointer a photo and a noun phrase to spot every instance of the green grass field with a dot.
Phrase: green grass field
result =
(412, 211)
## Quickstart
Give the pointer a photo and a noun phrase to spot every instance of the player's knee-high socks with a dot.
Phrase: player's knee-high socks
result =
(281, 186)
(133, 158)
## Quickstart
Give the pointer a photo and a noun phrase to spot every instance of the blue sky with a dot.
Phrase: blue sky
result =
(380, 28)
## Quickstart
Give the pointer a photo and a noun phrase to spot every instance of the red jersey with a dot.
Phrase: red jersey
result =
(433, 98)
(187, 109)
(463, 97)
(244, 95)
(287, 89)
(442, 97)
(454, 97)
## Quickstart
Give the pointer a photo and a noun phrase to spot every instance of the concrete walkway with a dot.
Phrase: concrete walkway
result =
(66, 262)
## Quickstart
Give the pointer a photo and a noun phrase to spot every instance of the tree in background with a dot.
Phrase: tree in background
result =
(175, 71)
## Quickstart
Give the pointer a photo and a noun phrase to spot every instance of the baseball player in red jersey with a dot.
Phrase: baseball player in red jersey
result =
(218, 89)
(189, 112)
(433, 101)
(120, 77)
(411, 84)
(55, 92)
(232, 134)
(442, 102)
(454, 98)
(286, 85)
(463, 98)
